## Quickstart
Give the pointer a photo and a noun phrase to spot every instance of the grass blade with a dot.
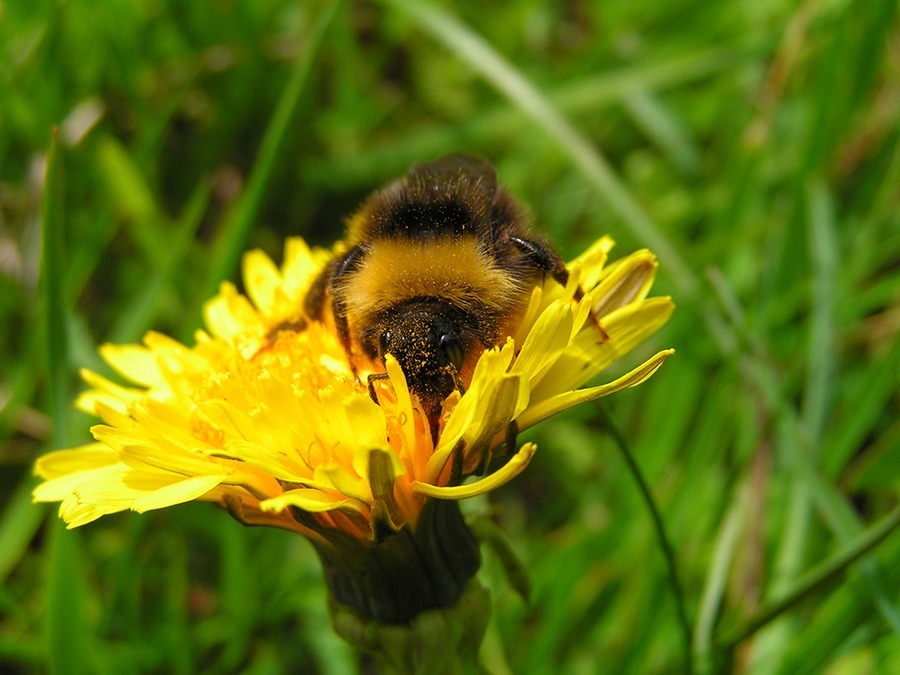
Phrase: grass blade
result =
(716, 581)
(53, 294)
(64, 620)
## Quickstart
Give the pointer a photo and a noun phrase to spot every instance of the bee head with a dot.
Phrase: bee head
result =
(430, 340)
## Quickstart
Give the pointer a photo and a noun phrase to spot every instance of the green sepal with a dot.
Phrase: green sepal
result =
(436, 642)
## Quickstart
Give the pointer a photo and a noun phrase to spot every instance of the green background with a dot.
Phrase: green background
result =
(752, 145)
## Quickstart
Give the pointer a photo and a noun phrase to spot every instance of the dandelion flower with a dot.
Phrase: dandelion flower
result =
(278, 428)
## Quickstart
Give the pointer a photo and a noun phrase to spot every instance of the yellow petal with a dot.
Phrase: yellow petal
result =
(232, 420)
(624, 282)
(274, 461)
(261, 280)
(301, 266)
(176, 493)
(551, 406)
(230, 315)
(312, 500)
(345, 482)
(61, 486)
(171, 459)
(76, 513)
(354, 420)
(628, 326)
(589, 265)
(117, 438)
(119, 489)
(64, 462)
(589, 354)
(493, 399)
(135, 362)
(106, 392)
(546, 340)
(404, 408)
(125, 488)
(491, 482)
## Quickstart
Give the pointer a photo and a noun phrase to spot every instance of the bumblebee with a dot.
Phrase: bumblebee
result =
(439, 266)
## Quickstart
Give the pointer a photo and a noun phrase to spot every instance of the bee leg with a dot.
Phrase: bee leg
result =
(374, 377)
(295, 325)
(512, 432)
(543, 258)
(457, 381)
(314, 304)
(483, 461)
(434, 412)
(546, 259)
(456, 468)
(342, 326)
(434, 423)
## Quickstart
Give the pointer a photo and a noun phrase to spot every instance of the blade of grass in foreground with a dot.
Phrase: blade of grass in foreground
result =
(53, 294)
(18, 523)
(64, 620)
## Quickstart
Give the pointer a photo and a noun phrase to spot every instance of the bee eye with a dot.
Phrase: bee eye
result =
(384, 343)
(451, 349)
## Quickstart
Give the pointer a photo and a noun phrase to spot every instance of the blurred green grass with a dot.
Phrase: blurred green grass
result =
(753, 146)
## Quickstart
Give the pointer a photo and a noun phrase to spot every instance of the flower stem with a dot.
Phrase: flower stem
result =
(439, 641)
(662, 538)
